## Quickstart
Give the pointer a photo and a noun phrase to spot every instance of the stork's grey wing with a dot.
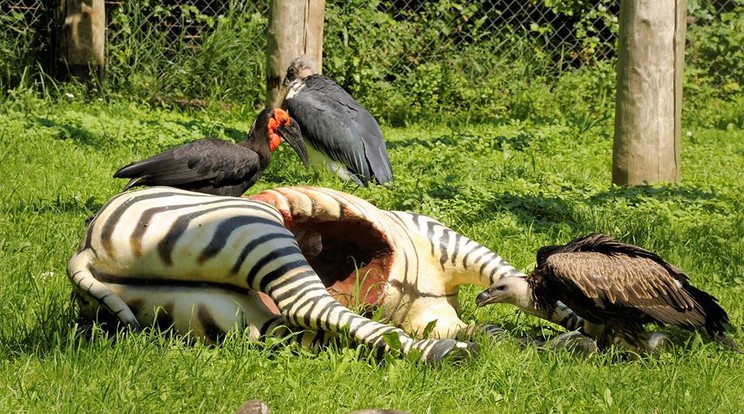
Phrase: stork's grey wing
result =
(368, 128)
(326, 125)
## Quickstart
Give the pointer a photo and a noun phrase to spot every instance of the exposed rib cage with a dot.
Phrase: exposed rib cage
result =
(202, 259)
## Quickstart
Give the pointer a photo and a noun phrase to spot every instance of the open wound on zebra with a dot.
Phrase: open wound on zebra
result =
(199, 264)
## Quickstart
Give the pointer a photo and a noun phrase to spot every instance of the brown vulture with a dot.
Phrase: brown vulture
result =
(218, 167)
(617, 288)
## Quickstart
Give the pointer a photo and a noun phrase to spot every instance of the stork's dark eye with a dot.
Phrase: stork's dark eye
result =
(500, 287)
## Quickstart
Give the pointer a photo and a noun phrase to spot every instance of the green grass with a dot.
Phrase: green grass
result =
(513, 186)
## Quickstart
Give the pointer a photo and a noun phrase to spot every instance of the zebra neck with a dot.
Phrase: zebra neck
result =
(461, 260)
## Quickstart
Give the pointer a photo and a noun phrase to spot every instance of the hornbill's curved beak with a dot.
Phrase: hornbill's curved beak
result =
(292, 135)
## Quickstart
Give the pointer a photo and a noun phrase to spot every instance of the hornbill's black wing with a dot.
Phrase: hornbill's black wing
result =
(204, 163)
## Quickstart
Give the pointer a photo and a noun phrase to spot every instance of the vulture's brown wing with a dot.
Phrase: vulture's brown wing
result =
(601, 243)
(618, 283)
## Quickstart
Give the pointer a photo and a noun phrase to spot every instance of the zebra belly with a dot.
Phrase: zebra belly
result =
(203, 312)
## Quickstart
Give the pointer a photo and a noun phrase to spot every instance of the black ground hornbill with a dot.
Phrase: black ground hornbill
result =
(338, 131)
(218, 167)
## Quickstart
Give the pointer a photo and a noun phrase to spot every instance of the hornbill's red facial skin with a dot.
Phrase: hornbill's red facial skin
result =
(218, 167)
(340, 133)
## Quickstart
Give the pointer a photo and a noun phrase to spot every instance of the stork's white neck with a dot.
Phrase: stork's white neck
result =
(294, 88)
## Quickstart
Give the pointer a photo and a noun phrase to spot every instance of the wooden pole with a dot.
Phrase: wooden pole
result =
(295, 28)
(648, 106)
(81, 37)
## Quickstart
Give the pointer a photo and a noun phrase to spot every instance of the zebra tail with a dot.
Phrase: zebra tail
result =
(91, 288)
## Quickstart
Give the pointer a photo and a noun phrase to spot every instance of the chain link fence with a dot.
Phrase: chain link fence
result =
(215, 49)
(25, 27)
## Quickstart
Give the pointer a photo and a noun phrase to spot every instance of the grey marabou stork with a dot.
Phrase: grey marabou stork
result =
(338, 131)
(218, 167)
(617, 288)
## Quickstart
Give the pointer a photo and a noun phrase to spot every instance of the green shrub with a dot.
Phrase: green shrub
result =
(714, 47)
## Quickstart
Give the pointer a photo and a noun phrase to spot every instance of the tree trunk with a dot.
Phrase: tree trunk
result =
(649, 92)
(81, 38)
(295, 28)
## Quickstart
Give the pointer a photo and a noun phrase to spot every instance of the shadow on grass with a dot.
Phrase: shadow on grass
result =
(542, 212)
(85, 137)
(53, 325)
(70, 132)
(519, 142)
(663, 192)
(194, 124)
(73, 205)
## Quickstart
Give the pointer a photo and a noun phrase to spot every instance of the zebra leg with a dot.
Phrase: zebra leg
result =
(574, 342)
(304, 302)
(566, 318)
(194, 312)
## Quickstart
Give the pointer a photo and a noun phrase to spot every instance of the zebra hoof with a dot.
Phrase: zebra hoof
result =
(493, 332)
(253, 407)
(574, 342)
(451, 350)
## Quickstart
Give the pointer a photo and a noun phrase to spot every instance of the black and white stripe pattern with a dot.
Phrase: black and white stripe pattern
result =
(469, 262)
(203, 259)
(457, 251)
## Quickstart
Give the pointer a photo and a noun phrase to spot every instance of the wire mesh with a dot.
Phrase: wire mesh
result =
(163, 41)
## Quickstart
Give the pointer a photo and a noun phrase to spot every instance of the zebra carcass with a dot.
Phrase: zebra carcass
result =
(203, 265)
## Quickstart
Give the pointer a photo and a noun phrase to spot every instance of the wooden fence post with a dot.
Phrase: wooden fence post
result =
(295, 28)
(649, 92)
(81, 36)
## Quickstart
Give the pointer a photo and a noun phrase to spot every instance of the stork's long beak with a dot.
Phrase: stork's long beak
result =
(292, 135)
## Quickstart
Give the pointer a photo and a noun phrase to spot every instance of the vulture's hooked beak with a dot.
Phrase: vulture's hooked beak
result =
(489, 295)
(292, 135)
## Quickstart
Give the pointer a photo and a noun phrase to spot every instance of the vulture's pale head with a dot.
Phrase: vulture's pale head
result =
(514, 290)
